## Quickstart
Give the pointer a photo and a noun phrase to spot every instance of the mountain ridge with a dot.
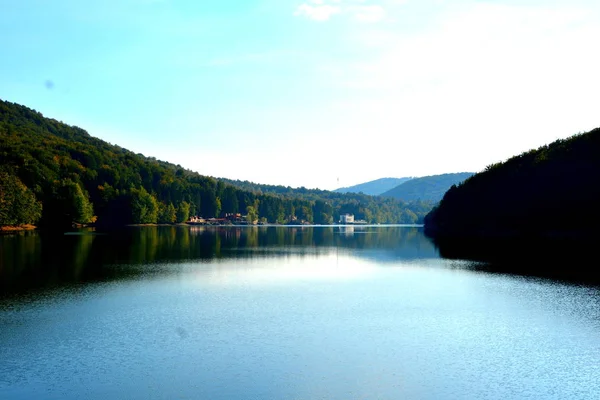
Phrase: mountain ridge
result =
(426, 188)
(375, 187)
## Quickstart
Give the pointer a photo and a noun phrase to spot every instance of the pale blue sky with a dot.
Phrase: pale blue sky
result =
(302, 93)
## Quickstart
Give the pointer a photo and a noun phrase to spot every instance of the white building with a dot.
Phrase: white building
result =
(347, 219)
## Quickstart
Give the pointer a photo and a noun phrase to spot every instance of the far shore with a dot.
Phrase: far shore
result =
(17, 228)
(23, 228)
(276, 224)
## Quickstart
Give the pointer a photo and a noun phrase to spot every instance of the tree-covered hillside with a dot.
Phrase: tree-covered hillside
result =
(54, 174)
(427, 188)
(369, 208)
(374, 188)
(550, 191)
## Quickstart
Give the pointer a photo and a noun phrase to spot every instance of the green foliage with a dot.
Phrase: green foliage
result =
(144, 207)
(409, 217)
(251, 214)
(75, 175)
(76, 206)
(307, 204)
(552, 189)
(218, 206)
(166, 213)
(18, 205)
(183, 212)
(229, 200)
(323, 212)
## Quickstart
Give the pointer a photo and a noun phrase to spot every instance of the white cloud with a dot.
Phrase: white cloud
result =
(367, 13)
(500, 40)
(499, 79)
(398, 2)
(318, 11)
(323, 10)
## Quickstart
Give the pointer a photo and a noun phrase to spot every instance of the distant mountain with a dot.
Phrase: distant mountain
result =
(427, 188)
(374, 188)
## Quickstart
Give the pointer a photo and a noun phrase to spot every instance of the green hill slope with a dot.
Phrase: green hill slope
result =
(374, 188)
(55, 174)
(550, 191)
(428, 188)
(365, 207)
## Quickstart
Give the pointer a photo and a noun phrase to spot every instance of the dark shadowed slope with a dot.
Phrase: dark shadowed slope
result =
(536, 214)
(374, 188)
(427, 188)
(551, 191)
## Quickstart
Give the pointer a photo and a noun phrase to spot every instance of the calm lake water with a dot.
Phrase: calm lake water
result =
(283, 313)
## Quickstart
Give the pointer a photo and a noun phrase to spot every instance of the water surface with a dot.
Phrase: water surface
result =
(283, 313)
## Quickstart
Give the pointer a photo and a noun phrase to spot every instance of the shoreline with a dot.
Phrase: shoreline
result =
(9, 229)
(17, 228)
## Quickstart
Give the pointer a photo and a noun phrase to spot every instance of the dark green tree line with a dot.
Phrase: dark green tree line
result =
(552, 190)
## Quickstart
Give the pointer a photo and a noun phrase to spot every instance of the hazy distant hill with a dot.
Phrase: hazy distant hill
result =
(427, 188)
(374, 188)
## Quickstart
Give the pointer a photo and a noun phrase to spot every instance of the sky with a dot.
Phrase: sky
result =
(314, 93)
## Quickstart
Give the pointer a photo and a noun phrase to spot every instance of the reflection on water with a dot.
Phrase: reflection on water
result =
(283, 313)
(33, 259)
(561, 258)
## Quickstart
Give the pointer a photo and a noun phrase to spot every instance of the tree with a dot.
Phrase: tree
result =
(18, 204)
(43, 153)
(183, 211)
(166, 213)
(409, 217)
(305, 214)
(144, 207)
(229, 200)
(217, 207)
(171, 213)
(322, 212)
(76, 205)
(251, 214)
(84, 211)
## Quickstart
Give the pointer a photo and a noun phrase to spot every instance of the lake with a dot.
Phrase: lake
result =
(297, 313)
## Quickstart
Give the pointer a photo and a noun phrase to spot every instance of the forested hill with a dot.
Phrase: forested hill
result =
(374, 188)
(55, 174)
(427, 188)
(309, 194)
(369, 208)
(550, 191)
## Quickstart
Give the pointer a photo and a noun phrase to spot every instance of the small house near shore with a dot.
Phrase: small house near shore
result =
(346, 218)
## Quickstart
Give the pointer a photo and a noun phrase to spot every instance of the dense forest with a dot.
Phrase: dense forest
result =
(551, 191)
(426, 188)
(374, 188)
(363, 206)
(53, 174)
